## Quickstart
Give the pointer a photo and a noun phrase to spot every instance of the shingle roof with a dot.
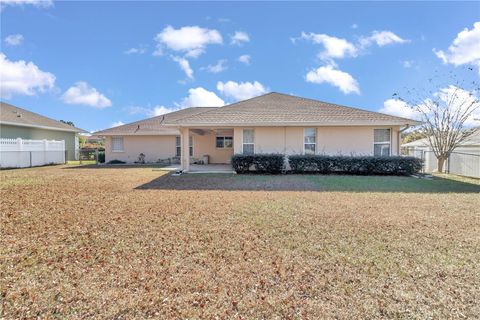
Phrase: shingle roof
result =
(281, 109)
(155, 125)
(10, 114)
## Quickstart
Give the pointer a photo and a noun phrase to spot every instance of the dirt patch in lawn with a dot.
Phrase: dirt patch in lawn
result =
(93, 243)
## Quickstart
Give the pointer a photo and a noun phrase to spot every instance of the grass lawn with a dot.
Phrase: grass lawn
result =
(88, 242)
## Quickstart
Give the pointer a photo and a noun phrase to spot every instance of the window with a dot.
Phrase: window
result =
(117, 144)
(310, 140)
(381, 142)
(190, 146)
(248, 146)
(224, 142)
(178, 146)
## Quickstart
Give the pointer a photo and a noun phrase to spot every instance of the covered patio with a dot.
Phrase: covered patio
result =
(206, 150)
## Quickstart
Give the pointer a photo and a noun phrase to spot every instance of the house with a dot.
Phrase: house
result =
(464, 160)
(470, 145)
(16, 123)
(271, 123)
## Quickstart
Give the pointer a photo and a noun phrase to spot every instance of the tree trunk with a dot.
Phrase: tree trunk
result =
(440, 162)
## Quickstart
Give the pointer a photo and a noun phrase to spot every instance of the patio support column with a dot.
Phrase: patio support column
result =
(185, 149)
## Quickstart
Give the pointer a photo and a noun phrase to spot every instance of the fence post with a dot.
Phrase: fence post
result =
(96, 156)
(64, 152)
(448, 163)
(20, 151)
(45, 148)
(423, 160)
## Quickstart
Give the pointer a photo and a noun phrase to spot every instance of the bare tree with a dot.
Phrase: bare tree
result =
(446, 111)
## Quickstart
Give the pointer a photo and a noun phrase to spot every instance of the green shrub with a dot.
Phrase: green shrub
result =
(101, 156)
(116, 162)
(359, 165)
(258, 163)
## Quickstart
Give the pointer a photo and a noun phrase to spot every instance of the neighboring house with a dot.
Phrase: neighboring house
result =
(20, 123)
(271, 123)
(470, 145)
(464, 160)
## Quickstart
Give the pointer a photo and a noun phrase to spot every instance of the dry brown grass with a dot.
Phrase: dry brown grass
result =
(86, 243)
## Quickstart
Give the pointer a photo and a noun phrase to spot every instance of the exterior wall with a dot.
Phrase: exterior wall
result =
(154, 148)
(13, 132)
(164, 147)
(353, 140)
(206, 145)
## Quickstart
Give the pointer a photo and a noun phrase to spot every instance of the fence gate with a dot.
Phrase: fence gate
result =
(21, 153)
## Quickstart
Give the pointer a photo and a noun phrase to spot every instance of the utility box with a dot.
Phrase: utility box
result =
(206, 159)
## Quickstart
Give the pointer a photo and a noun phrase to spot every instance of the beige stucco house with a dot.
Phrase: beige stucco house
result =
(271, 123)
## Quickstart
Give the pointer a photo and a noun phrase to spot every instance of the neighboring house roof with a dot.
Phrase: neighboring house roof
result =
(15, 116)
(276, 109)
(473, 140)
(155, 125)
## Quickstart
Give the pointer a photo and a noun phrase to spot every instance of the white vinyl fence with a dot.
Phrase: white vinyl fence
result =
(20, 153)
(460, 163)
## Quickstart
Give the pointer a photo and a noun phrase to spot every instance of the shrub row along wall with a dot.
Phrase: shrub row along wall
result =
(358, 165)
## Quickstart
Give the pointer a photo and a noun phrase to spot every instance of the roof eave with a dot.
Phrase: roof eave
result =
(74, 129)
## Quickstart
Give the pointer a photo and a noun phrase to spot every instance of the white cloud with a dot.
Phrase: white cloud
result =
(36, 3)
(465, 48)
(149, 111)
(407, 63)
(220, 66)
(82, 93)
(242, 90)
(14, 40)
(382, 38)
(139, 50)
(400, 109)
(460, 99)
(199, 97)
(335, 48)
(328, 74)
(239, 37)
(354, 26)
(184, 65)
(116, 124)
(244, 58)
(159, 110)
(22, 78)
(191, 40)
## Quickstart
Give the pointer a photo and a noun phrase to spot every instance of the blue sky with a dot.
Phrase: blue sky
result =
(100, 63)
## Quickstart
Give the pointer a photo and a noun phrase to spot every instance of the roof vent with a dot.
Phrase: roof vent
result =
(19, 115)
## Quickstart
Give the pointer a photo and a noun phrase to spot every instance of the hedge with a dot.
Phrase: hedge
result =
(258, 163)
(359, 165)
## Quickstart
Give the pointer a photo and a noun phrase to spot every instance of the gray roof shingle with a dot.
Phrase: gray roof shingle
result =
(13, 115)
(155, 125)
(281, 109)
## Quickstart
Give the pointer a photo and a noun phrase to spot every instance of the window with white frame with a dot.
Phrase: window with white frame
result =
(310, 140)
(223, 142)
(117, 144)
(178, 146)
(248, 145)
(381, 142)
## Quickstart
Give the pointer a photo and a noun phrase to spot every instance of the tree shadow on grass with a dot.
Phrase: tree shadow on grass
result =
(290, 182)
